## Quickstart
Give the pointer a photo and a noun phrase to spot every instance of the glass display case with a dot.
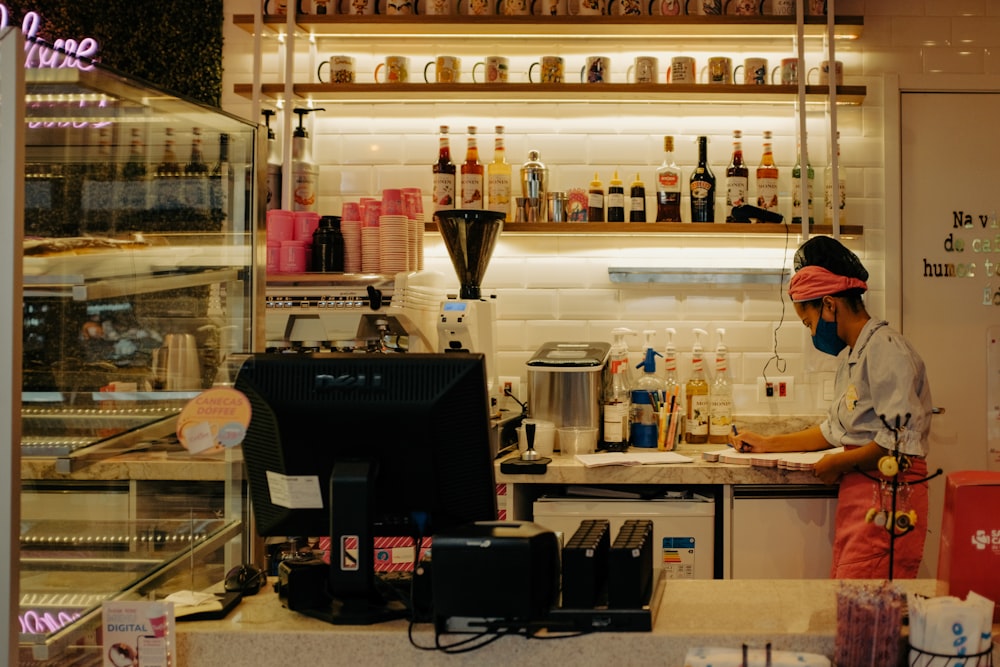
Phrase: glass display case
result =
(140, 216)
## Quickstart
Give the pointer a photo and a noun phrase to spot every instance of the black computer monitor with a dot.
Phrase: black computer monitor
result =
(359, 445)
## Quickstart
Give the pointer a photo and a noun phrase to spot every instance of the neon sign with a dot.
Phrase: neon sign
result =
(45, 623)
(63, 53)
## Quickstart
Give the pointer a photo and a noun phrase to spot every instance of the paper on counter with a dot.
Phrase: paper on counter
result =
(631, 458)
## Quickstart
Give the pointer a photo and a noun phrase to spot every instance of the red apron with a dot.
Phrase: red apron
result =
(861, 548)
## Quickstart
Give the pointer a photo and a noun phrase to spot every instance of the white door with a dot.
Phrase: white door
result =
(950, 150)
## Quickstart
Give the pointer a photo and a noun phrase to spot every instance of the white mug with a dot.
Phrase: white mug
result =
(745, 7)
(666, 7)
(514, 7)
(496, 69)
(475, 7)
(824, 73)
(645, 69)
(683, 69)
(597, 70)
(551, 70)
(550, 8)
(397, 69)
(754, 71)
(358, 7)
(627, 7)
(447, 69)
(587, 7)
(788, 70)
(397, 7)
(720, 70)
(703, 7)
(783, 7)
(341, 69)
(435, 7)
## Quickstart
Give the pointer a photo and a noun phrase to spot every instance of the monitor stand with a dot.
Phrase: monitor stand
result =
(355, 600)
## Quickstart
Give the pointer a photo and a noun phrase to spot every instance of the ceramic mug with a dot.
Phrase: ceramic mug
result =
(475, 7)
(824, 73)
(323, 7)
(816, 7)
(645, 69)
(515, 7)
(552, 70)
(597, 70)
(745, 7)
(720, 70)
(783, 7)
(397, 69)
(587, 7)
(683, 69)
(496, 69)
(666, 7)
(435, 7)
(397, 7)
(359, 7)
(788, 70)
(447, 69)
(550, 8)
(627, 8)
(341, 69)
(754, 71)
(703, 7)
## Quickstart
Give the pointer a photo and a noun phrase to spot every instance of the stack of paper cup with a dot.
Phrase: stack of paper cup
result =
(350, 228)
(413, 206)
(371, 210)
(394, 231)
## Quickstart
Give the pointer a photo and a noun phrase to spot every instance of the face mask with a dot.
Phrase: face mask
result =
(826, 338)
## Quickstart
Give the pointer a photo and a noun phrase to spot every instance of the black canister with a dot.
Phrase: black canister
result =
(328, 246)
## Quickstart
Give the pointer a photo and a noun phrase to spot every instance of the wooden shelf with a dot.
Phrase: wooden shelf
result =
(365, 93)
(572, 27)
(630, 228)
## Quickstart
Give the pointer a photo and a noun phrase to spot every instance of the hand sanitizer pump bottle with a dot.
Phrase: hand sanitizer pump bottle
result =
(647, 397)
(617, 401)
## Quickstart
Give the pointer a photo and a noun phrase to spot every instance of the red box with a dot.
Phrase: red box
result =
(970, 535)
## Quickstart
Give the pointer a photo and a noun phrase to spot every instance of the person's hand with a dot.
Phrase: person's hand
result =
(828, 469)
(748, 441)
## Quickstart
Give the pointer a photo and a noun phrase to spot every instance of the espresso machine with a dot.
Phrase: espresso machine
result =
(468, 323)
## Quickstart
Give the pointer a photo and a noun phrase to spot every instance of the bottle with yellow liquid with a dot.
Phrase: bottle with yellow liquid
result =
(696, 394)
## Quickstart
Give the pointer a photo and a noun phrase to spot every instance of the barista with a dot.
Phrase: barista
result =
(880, 379)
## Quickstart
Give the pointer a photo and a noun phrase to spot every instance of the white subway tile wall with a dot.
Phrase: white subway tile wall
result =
(557, 287)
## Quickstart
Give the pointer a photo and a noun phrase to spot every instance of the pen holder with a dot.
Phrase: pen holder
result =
(669, 430)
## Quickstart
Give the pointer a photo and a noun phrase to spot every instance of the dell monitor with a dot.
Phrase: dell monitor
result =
(361, 445)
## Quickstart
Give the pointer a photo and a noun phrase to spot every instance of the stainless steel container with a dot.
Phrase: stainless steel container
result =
(565, 383)
(534, 184)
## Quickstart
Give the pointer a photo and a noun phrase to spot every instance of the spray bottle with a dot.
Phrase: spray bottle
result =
(616, 402)
(673, 393)
(721, 401)
(304, 171)
(273, 164)
(696, 395)
(647, 397)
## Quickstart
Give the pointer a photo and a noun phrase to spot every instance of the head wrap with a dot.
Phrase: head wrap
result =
(815, 282)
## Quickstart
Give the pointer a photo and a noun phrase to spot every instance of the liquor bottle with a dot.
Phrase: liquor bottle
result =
(616, 199)
(668, 185)
(721, 396)
(498, 177)
(168, 165)
(737, 178)
(595, 200)
(767, 177)
(637, 201)
(617, 395)
(797, 188)
(472, 174)
(696, 393)
(196, 188)
(444, 174)
(702, 183)
(166, 184)
(828, 193)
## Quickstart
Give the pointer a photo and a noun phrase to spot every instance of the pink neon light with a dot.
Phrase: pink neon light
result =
(63, 53)
(34, 623)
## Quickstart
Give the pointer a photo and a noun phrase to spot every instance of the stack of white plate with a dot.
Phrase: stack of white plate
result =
(370, 250)
(416, 242)
(394, 233)
(351, 230)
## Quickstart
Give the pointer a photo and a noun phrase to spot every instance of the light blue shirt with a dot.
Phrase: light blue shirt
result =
(881, 376)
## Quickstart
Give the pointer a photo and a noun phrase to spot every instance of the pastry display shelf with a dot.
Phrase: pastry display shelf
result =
(366, 93)
(687, 228)
(582, 28)
(80, 288)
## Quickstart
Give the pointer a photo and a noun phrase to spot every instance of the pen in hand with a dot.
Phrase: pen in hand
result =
(742, 447)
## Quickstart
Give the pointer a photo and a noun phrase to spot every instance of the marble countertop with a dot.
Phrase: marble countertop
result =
(796, 615)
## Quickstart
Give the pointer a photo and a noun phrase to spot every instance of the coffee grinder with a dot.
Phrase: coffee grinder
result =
(468, 323)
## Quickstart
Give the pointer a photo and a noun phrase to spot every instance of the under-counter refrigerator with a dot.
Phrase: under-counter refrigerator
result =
(684, 527)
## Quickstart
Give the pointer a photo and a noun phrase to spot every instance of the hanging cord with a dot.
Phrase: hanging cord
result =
(779, 361)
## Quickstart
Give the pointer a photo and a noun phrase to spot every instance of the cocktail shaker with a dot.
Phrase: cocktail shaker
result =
(534, 186)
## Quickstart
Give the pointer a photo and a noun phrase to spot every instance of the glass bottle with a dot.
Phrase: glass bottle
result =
(702, 183)
(668, 185)
(737, 178)
(696, 394)
(472, 174)
(797, 187)
(444, 174)
(498, 176)
(195, 189)
(767, 177)
(168, 165)
(828, 193)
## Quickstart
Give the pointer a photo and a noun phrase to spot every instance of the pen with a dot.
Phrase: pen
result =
(743, 445)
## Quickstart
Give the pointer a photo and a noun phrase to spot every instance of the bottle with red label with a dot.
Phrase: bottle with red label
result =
(767, 178)
(444, 174)
(737, 178)
(668, 185)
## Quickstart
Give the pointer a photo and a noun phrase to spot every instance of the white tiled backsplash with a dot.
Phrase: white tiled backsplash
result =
(557, 288)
